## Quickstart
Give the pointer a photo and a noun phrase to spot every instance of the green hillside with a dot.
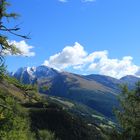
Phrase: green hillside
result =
(47, 119)
(81, 89)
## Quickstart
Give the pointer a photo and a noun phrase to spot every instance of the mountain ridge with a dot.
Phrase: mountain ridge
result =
(34, 69)
(98, 92)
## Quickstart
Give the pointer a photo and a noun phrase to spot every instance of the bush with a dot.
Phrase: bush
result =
(46, 135)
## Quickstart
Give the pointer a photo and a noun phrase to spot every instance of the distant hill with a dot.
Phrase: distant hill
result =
(97, 92)
(130, 80)
(106, 81)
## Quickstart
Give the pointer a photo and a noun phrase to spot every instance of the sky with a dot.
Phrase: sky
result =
(78, 36)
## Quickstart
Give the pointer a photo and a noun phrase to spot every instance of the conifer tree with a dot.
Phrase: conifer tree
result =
(6, 30)
(128, 115)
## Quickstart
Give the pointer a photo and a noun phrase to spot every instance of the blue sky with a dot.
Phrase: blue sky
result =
(105, 33)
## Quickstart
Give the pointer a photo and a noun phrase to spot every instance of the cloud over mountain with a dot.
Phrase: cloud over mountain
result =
(70, 56)
(76, 57)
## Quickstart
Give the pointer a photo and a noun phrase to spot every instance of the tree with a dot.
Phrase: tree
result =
(128, 115)
(46, 135)
(14, 124)
(5, 46)
(14, 120)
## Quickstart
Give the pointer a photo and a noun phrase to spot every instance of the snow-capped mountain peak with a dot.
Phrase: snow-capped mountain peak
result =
(29, 74)
(31, 71)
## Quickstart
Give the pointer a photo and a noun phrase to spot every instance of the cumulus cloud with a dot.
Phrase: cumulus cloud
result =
(23, 47)
(69, 56)
(114, 67)
(77, 58)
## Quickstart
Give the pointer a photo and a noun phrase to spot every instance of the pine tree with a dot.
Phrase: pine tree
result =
(4, 31)
(14, 123)
(128, 115)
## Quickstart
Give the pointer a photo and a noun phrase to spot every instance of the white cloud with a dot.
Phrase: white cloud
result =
(23, 47)
(77, 58)
(70, 56)
(88, 0)
(62, 0)
(114, 67)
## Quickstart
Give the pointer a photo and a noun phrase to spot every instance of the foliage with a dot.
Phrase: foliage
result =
(14, 122)
(5, 46)
(128, 115)
(2, 72)
(44, 88)
(30, 91)
(46, 135)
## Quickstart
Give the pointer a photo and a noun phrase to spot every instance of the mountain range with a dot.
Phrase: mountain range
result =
(96, 92)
